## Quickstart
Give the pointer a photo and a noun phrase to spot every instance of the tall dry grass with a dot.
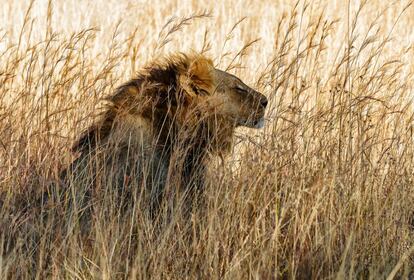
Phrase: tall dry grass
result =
(324, 191)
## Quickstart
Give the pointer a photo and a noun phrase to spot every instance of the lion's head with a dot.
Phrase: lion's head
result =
(242, 104)
(223, 94)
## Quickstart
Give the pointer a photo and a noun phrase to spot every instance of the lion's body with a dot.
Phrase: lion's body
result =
(162, 127)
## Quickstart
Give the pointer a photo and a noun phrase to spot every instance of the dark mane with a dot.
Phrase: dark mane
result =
(163, 77)
(157, 96)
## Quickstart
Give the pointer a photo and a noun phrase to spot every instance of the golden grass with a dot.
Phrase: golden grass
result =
(324, 191)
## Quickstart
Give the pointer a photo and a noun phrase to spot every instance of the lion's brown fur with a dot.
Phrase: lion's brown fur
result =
(162, 126)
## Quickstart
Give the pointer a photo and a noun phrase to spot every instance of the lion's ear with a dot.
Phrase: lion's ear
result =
(201, 72)
(198, 79)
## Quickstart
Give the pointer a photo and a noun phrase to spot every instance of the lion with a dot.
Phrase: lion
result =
(161, 129)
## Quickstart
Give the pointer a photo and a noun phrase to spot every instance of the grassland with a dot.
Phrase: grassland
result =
(324, 191)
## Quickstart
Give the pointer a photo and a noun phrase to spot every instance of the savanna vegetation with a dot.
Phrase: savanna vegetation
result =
(324, 191)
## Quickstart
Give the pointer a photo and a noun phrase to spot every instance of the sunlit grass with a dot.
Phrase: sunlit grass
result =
(324, 191)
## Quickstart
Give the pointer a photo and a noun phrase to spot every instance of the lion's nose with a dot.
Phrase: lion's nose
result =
(263, 102)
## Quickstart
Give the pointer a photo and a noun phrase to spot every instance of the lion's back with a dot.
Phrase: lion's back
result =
(122, 162)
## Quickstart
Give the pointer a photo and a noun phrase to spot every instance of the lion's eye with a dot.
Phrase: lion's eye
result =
(241, 89)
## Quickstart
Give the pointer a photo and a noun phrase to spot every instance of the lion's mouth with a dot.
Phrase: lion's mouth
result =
(258, 123)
